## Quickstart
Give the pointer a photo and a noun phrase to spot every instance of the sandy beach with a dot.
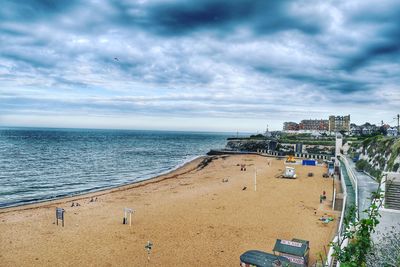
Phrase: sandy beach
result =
(195, 216)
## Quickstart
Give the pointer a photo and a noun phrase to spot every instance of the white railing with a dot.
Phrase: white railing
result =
(329, 258)
(338, 236)
(352, 176)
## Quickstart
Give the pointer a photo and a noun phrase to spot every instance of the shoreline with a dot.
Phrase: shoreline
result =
(172, 173)
(206, 212)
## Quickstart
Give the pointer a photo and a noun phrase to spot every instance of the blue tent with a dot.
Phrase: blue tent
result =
(309, 162)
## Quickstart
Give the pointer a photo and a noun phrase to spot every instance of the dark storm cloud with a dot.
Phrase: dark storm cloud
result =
(385, 48)
(29, 10)
(383, 45)
(220, 16)
(28, 59)
(338, 84)
(214, 58)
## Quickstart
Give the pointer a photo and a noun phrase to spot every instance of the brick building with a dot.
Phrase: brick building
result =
(314, 125)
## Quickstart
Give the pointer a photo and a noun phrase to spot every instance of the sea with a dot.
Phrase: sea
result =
(38, 164)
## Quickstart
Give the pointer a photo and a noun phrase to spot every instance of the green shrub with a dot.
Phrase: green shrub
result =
(257, 136)
(361, 164)
(368, 141)
(395, 153)
(381, 161)
(396, 167)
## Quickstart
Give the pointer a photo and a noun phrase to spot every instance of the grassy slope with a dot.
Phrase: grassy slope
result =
(382, 153)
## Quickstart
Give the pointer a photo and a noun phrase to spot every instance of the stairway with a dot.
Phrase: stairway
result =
(392, 196)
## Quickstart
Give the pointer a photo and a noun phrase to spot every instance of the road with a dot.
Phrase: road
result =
(366, 185)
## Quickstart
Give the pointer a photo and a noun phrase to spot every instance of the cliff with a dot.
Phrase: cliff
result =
(378, 154)
(251, 145)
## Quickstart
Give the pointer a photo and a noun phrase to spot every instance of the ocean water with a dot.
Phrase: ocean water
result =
(39, 164)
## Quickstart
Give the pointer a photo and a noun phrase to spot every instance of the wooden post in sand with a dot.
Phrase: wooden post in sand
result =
(60, 215)
(255, 179)
(126, 212)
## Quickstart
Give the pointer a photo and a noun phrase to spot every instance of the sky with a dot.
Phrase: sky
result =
(206, 65)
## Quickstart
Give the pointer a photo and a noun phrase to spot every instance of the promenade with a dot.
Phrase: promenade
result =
(367, 185)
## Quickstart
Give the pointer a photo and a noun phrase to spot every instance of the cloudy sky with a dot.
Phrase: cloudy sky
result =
(217, 65)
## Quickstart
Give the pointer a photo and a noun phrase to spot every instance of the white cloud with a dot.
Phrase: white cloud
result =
(99, 59)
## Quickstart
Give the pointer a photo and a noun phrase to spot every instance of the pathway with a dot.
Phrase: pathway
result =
(366, 185)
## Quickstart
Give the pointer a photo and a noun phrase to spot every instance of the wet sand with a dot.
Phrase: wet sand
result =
(194, 216)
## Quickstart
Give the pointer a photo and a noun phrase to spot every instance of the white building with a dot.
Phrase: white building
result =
(392, 131)
(339, 144)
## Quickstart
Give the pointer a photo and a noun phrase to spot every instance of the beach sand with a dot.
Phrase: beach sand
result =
(191, 216)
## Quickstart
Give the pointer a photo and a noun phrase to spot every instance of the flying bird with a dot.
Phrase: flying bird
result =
(116, 59)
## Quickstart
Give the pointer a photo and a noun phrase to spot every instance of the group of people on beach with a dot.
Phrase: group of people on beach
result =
(76, 204)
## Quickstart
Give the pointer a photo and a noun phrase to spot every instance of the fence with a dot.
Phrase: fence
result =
(298, 155)
(349, 184)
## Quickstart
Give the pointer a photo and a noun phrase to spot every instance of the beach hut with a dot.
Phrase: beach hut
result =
(296, 251)
(262, 259)
(290, 172)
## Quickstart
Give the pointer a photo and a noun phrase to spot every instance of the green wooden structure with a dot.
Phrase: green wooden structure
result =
(296, 250)
(256, 258)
